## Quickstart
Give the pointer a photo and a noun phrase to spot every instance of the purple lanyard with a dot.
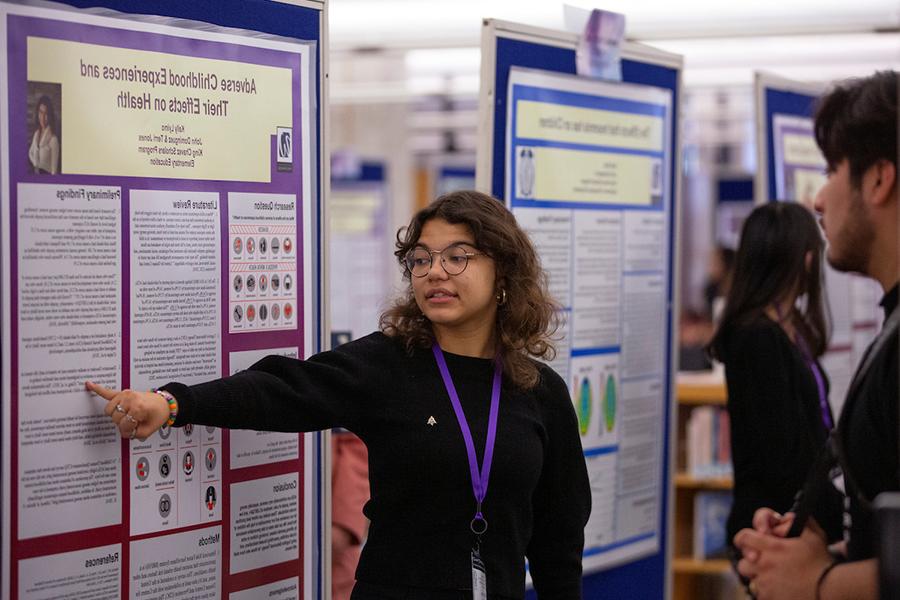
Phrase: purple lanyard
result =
(479, 479)
(817, 373)
(820, 382)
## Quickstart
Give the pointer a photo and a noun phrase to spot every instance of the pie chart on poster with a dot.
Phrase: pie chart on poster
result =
(609, 403)
(583, 407)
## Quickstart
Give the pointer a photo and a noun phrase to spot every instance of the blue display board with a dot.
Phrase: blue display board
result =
(250, 175)
(778, 102)
(506, 49)
(451, 179)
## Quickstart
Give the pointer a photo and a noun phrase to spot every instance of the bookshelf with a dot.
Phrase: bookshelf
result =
(693, 578)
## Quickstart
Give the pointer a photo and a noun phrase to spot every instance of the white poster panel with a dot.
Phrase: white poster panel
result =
(262, 234)
(69, 325)
(264, 522)
(255, 448)
(181, 566)
(94, 574)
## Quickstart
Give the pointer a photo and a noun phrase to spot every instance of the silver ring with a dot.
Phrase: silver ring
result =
(119, 408)
(131, 419)
(133, 433)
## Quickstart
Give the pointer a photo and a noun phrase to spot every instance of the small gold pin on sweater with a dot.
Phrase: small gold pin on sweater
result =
(431, 421)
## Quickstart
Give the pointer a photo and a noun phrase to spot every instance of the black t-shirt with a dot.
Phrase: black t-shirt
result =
(777, 428)
(869, 434)
(538, 498)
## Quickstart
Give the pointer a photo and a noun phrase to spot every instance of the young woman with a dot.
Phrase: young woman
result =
(44, 150)
(474, 452)
(771, 334)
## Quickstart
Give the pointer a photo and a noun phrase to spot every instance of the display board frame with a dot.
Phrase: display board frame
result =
(506, 45)
(776, 95)
(288, 20)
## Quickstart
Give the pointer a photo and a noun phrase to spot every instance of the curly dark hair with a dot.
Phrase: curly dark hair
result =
(526, 321)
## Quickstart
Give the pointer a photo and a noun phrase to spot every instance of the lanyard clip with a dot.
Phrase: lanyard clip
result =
(479, 524)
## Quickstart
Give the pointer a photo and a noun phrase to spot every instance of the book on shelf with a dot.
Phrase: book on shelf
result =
(709, 442)
(711, 510)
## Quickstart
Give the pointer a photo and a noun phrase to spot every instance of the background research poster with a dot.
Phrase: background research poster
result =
(587, 177)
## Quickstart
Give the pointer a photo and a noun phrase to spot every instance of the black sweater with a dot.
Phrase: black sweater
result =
(776, 422)
(869, 429)
(538, 498)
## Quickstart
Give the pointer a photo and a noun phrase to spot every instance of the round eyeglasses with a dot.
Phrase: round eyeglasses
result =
(454, 260)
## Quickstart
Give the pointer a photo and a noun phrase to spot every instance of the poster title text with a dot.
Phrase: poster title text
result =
(613, 129)
(187, 81)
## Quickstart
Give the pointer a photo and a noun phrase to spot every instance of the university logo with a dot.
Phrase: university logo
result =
(284, 148)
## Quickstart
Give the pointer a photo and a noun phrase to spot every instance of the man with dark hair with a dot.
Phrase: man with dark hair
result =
(856, 128)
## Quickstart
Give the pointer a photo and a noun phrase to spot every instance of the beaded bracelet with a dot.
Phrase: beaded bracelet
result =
(173, 406)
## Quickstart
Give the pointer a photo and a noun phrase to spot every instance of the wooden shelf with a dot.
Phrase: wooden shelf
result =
(683, 480)
(696, 578)
(692, 394)
(692, 566)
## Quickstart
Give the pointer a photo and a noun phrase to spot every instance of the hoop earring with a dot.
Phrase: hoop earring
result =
(501, 297)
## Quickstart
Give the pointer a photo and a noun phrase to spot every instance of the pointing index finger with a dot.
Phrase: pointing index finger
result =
(105, 393)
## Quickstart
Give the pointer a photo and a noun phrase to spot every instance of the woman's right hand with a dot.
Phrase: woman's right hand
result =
(136, 414)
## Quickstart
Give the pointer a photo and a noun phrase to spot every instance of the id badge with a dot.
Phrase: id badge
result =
(479, 577)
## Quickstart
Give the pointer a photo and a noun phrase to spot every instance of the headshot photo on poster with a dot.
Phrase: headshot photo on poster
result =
(45, 126)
